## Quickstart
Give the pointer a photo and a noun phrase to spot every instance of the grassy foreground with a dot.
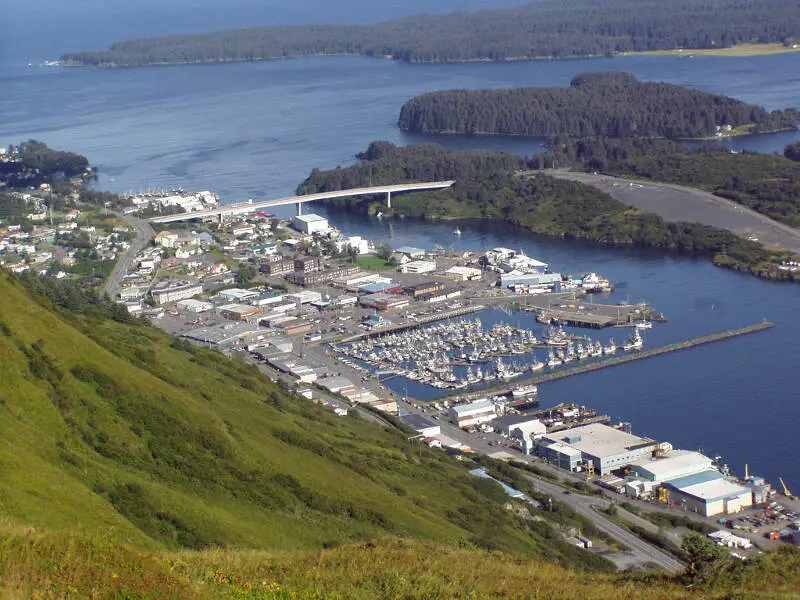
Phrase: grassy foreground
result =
(60, 565)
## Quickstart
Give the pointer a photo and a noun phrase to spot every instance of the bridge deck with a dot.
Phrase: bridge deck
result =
(245, 207)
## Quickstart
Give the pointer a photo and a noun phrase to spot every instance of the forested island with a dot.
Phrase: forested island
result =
(546, 29)
(602, 103)
(496, 186)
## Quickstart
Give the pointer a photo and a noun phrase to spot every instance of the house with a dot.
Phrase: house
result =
(166, 239)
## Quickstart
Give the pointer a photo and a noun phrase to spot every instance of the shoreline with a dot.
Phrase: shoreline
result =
(740, 51)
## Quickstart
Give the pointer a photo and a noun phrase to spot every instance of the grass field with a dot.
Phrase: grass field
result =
(740, 50)
(370, 262)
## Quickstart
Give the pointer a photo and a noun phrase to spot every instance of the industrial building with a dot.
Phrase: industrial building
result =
(678, 463)
(708, 493)
(513, 278)
(426, 288)
(237, 295)
(473, 413)
(336, 385)
(603, 448)
(462, 273)
(303, 297)
(521, 427)
(311, 224)
(384, 301)
(421, 424)
(560, 454)
(239, 312)
(411, 252)
(194, 306)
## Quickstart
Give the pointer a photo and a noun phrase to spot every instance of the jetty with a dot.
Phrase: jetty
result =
(614, 361)
(570, 310)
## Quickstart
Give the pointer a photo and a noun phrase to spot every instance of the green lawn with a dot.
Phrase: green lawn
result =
(371, 262)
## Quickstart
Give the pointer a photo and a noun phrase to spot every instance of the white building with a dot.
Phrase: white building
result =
(238, 295)
(474, 413)
(421, 424)
(194, 306)
(418, 266)
(304, 297)
(311, 224)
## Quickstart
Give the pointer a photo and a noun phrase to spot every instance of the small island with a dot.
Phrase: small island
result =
(602, 103)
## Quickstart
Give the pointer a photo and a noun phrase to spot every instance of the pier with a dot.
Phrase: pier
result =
(570, 310)
(614, 361)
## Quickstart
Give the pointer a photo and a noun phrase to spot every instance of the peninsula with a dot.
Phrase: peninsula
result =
(607, 103)
(547, 29)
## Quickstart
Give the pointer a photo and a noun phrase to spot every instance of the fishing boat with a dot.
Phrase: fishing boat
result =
(635, 342)
(643, 325)
(611, 348)
(457, 232)
(536, 365)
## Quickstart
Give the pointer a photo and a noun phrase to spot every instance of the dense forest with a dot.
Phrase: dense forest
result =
(496, 186)
(550, 28)
(33, 163)
(606, 103)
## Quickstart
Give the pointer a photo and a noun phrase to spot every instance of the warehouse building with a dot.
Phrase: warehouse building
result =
(462, 273)
(384, 301)
(427, 288)
(239, 312)
(679, 463)
(473, 413)
(304, 297)
(562, 455)
(603, 448)
(311, 224)
(237, 295)
(514, 278)
(708, 493)
(194, 306)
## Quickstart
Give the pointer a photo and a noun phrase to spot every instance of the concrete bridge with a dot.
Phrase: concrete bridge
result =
(251, 206)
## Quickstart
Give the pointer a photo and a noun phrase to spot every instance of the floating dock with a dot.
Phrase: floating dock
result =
(614, 361)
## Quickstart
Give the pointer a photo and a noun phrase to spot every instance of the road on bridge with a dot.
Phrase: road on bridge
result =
(678, 203)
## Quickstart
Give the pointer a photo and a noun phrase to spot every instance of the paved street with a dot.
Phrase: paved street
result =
(677, 203)
(144, 233)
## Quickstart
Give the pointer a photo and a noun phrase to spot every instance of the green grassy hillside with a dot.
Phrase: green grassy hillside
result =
(105, 425)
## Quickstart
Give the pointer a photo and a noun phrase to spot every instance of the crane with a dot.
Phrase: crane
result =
(786, 491)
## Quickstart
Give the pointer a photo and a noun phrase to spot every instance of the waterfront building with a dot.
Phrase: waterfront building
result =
(411, 252)
(513, 278)
(708, 493)
(426, 288)
(603, 448)
(473, 413)
(311, 224)
(384, 301)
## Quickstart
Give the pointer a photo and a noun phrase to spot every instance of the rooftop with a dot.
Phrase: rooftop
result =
(679, 460)
(484, 404)
(601, 440)
(311, 218)
(418, 422)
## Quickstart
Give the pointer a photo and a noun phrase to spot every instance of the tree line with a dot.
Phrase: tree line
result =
(550, 28)
(496, 186)
(606, 103)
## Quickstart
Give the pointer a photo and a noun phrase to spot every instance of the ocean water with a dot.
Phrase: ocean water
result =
(256, 131)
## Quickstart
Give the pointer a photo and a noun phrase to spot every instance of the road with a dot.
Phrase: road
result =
(144, 233)
(677, 203)
(643, 551)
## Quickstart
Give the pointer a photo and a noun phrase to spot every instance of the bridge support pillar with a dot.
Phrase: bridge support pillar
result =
(388, 199)
(299, 209)
(219, 219)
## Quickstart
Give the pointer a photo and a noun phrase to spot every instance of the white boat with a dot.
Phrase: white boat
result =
(457, 231)
(536, 365)
(635, 342)
(611, 348)
(643, 325)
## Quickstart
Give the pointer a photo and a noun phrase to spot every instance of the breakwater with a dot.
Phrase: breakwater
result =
(616, 360)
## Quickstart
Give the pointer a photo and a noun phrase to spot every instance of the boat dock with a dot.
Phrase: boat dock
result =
(569, 310)
(616, 360)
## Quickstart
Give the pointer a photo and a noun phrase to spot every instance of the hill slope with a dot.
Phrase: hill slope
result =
(111, 425)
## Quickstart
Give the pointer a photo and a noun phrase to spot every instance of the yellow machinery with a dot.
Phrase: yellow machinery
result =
(786, 491)
(663, 496)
